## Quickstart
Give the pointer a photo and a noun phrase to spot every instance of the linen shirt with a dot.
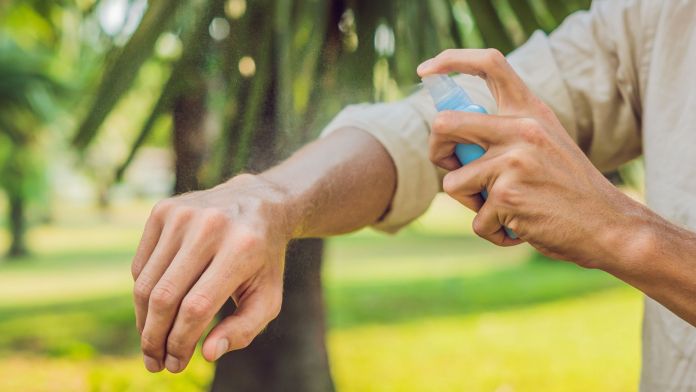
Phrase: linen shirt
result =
(621, 78)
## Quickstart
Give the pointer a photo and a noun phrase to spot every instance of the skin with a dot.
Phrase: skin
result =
(200, 248)
(203, 247)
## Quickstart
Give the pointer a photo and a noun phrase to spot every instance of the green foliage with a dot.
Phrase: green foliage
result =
(314, 58)
(120, 73)
(25, 104)
(26, 91)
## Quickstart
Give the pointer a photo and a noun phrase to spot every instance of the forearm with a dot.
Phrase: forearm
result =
(659, 258)
(336, 184)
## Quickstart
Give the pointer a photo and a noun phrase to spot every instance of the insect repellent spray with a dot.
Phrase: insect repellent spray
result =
(448, 95)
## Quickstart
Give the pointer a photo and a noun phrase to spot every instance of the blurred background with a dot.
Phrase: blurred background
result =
(109, 105)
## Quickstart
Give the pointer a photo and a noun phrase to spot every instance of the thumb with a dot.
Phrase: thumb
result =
(237, 331)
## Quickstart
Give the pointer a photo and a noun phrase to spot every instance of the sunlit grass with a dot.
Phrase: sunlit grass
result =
(104, 373)
(432, 308)
(584, 344)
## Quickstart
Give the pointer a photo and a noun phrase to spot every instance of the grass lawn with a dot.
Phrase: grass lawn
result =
(433, 308)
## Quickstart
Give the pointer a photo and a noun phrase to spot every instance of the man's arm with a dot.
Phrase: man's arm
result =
(201, 248)
(337, 184)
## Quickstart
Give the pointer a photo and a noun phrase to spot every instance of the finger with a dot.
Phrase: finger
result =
(466, 183)
(507, 87)
(184, 270)
(487, 225)
(151, 234)
(451, 128)
(206, 297)
(165, 250)
(239, 330)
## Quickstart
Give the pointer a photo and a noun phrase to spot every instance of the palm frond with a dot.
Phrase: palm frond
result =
(120, 73)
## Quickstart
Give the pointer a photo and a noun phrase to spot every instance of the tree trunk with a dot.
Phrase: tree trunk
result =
(17, 227)
(189, 138)
(290, 355)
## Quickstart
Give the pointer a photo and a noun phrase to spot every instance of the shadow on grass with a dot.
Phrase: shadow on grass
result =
(106, 325)
(537, 281)
(67, 259)
(75, 329)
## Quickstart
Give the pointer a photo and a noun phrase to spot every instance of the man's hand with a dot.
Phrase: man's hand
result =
(201, 248)
(540, 184)
(198, 250)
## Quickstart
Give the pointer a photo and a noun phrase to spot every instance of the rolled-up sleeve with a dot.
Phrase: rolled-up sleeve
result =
(404, 134)
(586, 71)
(589, 72)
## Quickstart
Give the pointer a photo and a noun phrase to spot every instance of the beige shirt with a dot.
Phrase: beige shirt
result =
(622, 80)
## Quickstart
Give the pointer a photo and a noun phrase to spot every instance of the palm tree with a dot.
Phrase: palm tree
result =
(25, 91)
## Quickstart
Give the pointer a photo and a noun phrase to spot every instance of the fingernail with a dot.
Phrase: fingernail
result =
(172, 364)
(424, 66)
(151, 364)
(222, 346)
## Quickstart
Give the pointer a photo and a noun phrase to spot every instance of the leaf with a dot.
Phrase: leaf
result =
(558, 10)
(491, 26)
(194, 53)
(525, 16)
(121, 72)
(163, 102)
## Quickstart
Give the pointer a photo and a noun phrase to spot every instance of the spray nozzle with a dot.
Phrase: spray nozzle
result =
(443, 87)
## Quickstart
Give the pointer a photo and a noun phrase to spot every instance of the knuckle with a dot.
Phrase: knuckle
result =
(136, 268)
(248, 240)
(181, 215)
(531, 131)
(449, 184)
(177, 346)
(516, 159)
(163, 295)
(544, 110)
(149, 346)
(442, 123)
(495, 57)
(142, 290)
(447, 55)
(245, 337)
(439, 125)
(506, 195)
(197, 306)
(160, 210)
(477, 227)
(513, 225)
(215, 219)
(214, 223)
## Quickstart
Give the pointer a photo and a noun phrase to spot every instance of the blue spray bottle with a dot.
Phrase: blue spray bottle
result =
(448, 95)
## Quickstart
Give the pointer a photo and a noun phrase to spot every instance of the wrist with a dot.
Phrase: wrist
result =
(631, 240)
(272, 201)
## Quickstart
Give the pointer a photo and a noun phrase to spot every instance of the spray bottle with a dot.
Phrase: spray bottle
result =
(448, 95)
